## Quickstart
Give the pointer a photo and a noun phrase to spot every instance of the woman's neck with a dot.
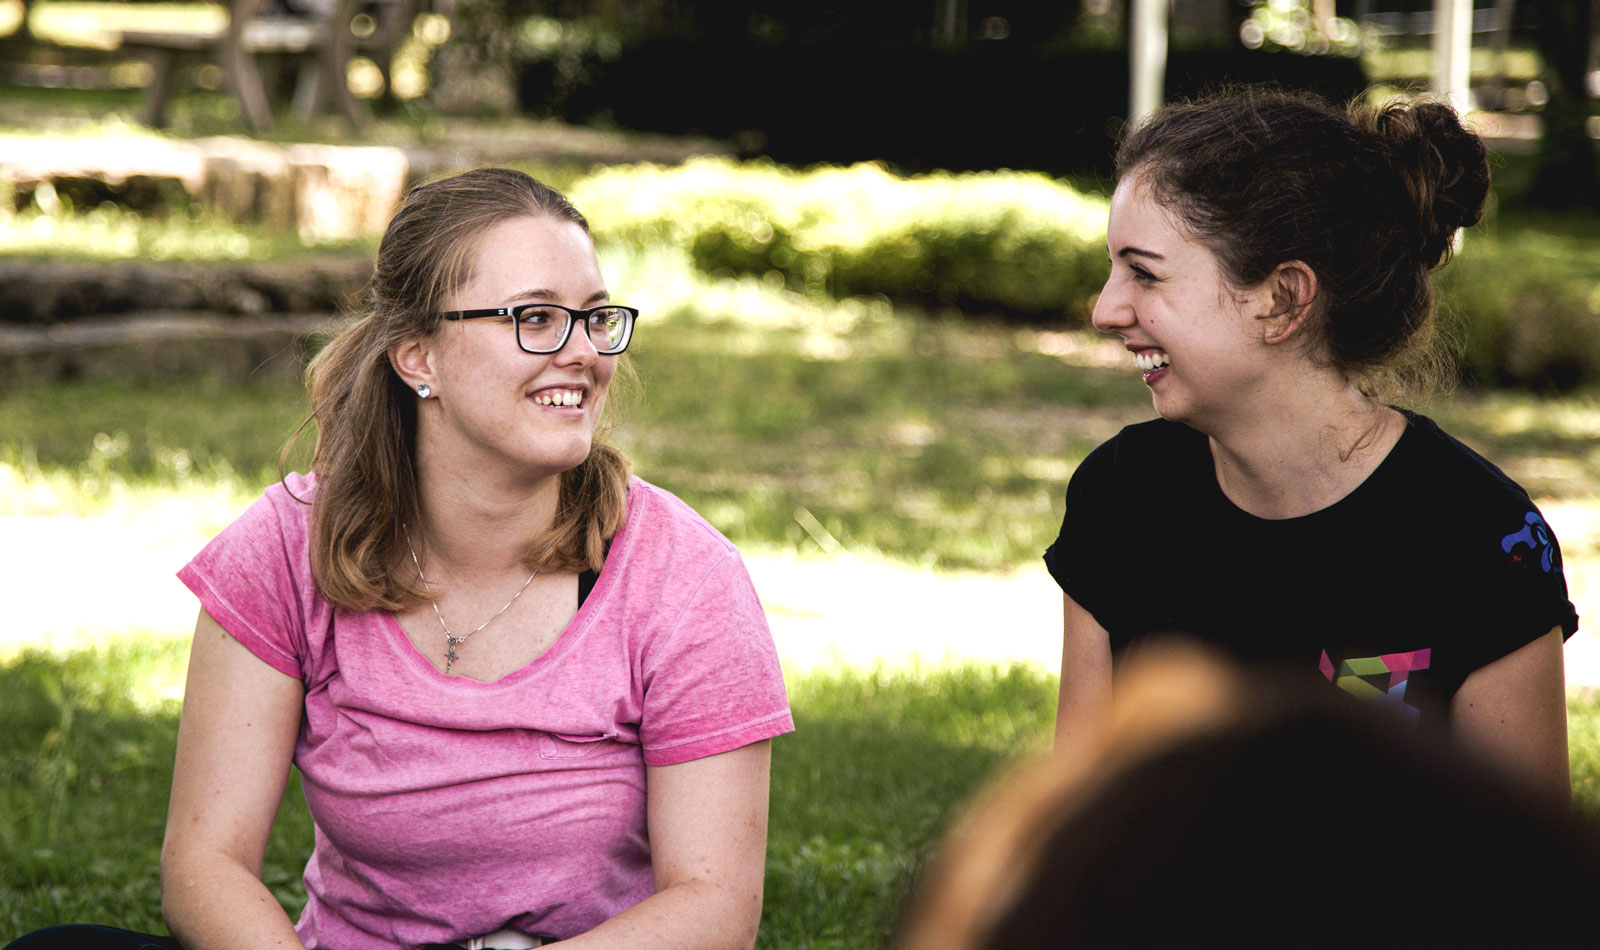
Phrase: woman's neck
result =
(1303, 450)
(476, 526)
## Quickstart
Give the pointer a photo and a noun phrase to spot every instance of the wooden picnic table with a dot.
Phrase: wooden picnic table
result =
(317, 44)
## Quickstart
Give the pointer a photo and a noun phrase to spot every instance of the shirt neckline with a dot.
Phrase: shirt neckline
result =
(1393, 462)
(563, 642)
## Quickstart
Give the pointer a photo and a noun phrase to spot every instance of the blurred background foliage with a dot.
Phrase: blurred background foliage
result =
(1016, 243)
(1520, 305)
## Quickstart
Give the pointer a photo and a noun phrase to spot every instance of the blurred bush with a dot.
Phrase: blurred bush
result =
(1525, 306)
(1013, 242)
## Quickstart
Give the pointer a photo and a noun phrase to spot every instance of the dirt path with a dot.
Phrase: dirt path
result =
(112, 575)
(79, 581)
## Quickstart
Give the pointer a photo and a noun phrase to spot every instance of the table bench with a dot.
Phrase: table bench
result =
(319, 46)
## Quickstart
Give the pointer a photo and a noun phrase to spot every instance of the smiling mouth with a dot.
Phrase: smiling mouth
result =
(1151, 360)
(559, 397)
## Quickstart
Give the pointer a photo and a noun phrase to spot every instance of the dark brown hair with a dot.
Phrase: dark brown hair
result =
(1221, 804)
(1369, 197)
(366, 417)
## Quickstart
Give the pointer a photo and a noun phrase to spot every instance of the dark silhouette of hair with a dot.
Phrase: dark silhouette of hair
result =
(1369, 197)
(1221, 808)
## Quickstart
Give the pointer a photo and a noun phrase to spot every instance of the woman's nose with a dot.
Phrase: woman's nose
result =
(1111, 311)
(579, 347)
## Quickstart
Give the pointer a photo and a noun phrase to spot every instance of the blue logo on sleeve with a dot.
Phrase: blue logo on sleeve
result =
(1536, 535)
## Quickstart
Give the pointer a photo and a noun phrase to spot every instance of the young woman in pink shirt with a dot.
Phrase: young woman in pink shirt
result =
(529, 695)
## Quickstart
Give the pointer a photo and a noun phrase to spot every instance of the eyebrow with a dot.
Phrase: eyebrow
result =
(594, 298)
(1140, 252)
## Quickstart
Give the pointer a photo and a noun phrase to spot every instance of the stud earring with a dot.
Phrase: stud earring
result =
(424, 390)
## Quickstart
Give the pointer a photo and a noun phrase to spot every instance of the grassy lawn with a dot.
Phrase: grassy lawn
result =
(858, 792)
(939, 443)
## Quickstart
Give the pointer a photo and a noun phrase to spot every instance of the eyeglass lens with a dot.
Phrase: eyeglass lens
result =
(542, 328)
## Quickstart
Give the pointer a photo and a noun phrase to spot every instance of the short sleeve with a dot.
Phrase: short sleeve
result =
(1520, 593)
(713, 683)
(245, 579)
(1078, 559)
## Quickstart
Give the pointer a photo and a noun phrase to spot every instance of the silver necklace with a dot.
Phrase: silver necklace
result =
(451, 640)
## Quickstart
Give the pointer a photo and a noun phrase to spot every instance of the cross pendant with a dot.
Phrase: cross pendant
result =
(450, 654)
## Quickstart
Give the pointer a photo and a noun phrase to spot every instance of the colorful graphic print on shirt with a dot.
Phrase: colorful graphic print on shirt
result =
(1379, 678)
(1535, 534)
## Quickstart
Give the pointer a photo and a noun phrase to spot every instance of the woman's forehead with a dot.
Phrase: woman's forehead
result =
(534, 256)
(1135, 207)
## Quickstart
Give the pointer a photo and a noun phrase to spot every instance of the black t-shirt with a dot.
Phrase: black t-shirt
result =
(1436, 565)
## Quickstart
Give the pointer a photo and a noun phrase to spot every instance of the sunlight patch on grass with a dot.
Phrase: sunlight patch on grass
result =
(29, 490)
(140, 669)
(1516, 414)
(1551, 446)
(108, 232)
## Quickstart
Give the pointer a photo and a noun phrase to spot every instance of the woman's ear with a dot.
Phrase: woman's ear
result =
(1294, 287)
(413, 363)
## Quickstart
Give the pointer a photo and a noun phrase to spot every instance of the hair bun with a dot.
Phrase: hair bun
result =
(1443, 166)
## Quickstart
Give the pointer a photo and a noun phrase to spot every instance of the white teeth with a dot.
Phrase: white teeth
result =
(569, 397)
(1150, 360)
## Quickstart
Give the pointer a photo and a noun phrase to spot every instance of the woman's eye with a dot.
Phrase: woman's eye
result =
(535, 317)
(1141, 275)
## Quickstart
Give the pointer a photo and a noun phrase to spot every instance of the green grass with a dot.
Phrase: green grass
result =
(1583, 750)
(931, 442)
(167, 435)
(1550, 446)
(859, 792)
(934, 443)
(787, 422)
(108, 233)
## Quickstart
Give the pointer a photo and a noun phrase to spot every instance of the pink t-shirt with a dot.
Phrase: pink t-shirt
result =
(447, 808)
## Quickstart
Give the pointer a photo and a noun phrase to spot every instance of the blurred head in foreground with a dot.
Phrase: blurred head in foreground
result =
(1209, 811)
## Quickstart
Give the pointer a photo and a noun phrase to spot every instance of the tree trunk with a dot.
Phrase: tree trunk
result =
(472, 72)
(1568, 174)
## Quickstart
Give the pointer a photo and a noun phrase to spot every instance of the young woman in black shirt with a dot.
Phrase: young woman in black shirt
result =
(1270, 276)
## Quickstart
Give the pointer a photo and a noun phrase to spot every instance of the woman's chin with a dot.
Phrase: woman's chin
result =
(566, 458)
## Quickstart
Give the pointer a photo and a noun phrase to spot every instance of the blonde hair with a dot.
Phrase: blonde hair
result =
(366, 417)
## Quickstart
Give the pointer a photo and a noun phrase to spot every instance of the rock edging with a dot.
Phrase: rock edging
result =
(42, 291)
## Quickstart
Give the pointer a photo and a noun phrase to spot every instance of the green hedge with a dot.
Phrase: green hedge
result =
(1006, 241)
(1525, 304)
(1522, 301)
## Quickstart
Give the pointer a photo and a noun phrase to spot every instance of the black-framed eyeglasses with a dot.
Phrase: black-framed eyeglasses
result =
(545, 327)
